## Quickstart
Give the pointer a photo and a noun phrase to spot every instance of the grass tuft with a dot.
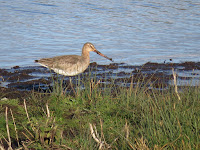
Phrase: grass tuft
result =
(104, 116)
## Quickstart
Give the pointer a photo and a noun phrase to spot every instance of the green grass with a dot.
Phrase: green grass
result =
(121, 118)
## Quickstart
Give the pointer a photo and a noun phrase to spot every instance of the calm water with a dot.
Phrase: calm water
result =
(129, 31)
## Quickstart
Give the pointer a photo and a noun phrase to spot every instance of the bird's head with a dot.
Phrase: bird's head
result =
(90, 47)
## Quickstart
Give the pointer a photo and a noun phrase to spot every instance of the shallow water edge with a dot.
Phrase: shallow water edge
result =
(41, 79)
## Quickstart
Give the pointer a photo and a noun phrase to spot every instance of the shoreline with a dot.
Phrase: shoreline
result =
(22, 79)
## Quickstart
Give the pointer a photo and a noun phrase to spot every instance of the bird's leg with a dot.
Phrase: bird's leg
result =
(65, 91)
(70, 79)
(62, 88)
(78, 85)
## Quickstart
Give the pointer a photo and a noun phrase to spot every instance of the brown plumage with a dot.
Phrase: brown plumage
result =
(70, 65)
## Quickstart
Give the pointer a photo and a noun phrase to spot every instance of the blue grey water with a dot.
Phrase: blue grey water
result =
(129, 31)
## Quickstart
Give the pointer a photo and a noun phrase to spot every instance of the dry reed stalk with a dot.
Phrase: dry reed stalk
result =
(25, 147)
(28, 115)
(126, 130)
(4, 139)
(8, 132)
(94, 134)
(131, 86)
(102, 134)
(171, 143)
(91, 82)
(2, 148)
(141, 144)
(96, 84)
(102, 144)
(26, 110)
(15, 127)
(48, 112)
(28, 131)
(175, 84)
(100, 140)
(1, 144)
(26, 136)
(93, 85)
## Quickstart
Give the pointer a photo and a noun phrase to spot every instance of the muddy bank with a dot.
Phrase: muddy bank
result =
(17, 81)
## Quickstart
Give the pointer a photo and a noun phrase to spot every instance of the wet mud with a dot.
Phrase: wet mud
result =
(18, 81)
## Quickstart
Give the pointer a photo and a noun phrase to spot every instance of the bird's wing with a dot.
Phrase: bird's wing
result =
(59, 61)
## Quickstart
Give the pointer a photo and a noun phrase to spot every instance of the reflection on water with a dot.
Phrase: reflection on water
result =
(133, 32)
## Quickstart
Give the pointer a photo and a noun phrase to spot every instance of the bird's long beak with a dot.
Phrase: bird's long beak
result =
(99, 53)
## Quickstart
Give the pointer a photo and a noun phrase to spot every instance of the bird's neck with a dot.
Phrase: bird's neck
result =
(85, 53)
